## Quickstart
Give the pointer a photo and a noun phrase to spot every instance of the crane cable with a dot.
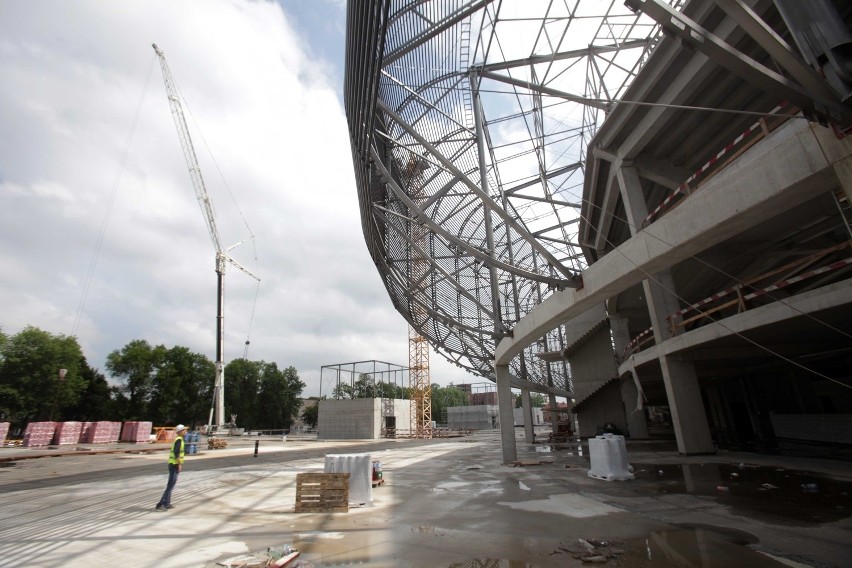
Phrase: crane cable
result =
(110, 202)
(236, 205)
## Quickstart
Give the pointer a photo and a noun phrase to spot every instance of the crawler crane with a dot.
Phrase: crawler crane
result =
(221, 254)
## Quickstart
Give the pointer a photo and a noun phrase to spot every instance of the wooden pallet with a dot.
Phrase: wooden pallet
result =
(322, 493)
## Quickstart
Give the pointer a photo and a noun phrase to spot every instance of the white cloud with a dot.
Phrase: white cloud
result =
(85, 128)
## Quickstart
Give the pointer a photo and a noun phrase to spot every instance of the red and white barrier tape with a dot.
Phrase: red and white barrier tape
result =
(685, 185)
(761, 292)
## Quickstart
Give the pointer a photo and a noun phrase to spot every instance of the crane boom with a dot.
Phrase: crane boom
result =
(210, 218)
(189, 151)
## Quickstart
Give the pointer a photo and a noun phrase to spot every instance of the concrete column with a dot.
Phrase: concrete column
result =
(843, 170)
(554, 416)
(620, 334)
(688, 417)
(682, 390)
(526, 408)
(637, 423)
(507, 422)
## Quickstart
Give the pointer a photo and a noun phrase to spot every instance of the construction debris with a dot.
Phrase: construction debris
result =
(272, 558)
(524, 463)
(217, 444)
(592, 551)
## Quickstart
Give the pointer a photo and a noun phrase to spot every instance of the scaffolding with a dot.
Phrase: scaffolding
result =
(369, 379)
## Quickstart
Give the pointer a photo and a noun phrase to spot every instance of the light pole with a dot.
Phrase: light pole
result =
(62, 373)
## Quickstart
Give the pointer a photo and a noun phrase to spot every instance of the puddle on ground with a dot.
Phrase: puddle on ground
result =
(794, 495)
(697, 545)
(491, 563)
(706, 546)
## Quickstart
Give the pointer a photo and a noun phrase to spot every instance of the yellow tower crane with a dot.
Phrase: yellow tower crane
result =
(419, 381)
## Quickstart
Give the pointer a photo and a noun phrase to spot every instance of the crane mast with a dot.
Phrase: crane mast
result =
(206, 204)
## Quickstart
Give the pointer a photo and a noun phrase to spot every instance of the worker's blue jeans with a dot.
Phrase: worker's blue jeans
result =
(166, 499)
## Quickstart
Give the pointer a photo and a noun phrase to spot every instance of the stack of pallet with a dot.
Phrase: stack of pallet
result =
(67, 432)
(322, 493)
(216, 444)
(39, 433)
(100, 432)
(4, 431)
(136, 432)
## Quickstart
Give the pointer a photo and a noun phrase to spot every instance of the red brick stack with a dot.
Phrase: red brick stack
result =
(39, 433)
(100, 432)
(136, 432)
(67, 432)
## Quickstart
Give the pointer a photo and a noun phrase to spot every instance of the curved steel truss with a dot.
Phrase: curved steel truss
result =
(469, 123)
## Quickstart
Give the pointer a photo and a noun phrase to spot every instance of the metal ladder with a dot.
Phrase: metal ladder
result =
(464, 63)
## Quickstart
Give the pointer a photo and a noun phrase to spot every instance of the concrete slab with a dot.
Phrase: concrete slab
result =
(443, 503)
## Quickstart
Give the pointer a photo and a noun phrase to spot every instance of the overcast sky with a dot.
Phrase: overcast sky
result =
(97, 207)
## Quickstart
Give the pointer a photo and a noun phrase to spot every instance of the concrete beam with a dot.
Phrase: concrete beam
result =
(781, 172)
(827, 297)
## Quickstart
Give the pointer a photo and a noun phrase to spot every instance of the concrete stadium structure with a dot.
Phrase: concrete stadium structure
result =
(626, 206)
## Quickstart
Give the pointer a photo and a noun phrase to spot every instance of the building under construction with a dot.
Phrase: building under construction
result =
(629, 205)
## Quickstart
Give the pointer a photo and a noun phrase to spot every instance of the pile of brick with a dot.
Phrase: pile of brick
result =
(67, 432)
(4, 431)
(100, 432)
(136, 432)
(39, 433)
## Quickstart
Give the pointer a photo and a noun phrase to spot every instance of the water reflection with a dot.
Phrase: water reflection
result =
(491, 563)
(696, 546)
(798, 496)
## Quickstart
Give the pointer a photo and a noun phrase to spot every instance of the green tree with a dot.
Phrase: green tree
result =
(343, 391)
(365, 387)
(310, 415)
(242, 391)
(181, 387)
(280, 393)
(536, 400)
(134, 366)
(391, 390)
(30, 382)
(443, 398)
(96, 401)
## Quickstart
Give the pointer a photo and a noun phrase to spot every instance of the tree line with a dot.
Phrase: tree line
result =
(166, 385)
(163, 385)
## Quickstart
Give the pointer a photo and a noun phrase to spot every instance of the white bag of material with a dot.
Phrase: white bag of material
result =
(360, 470)
(608, 455)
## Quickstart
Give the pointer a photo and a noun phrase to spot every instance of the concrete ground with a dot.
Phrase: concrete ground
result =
(445, 502)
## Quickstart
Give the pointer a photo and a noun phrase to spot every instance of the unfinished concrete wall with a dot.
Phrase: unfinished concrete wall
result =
(605, 407)
(402, 416)
(360, 418)
(483, 417)
(592, 363)
(537, 416)
(349, 419)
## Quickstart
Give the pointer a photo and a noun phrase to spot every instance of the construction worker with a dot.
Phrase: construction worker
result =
(176, 455)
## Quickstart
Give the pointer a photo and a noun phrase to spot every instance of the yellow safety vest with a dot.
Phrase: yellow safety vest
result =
(177, 459)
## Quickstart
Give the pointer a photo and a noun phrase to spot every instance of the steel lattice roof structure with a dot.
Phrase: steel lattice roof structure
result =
(469, 125)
